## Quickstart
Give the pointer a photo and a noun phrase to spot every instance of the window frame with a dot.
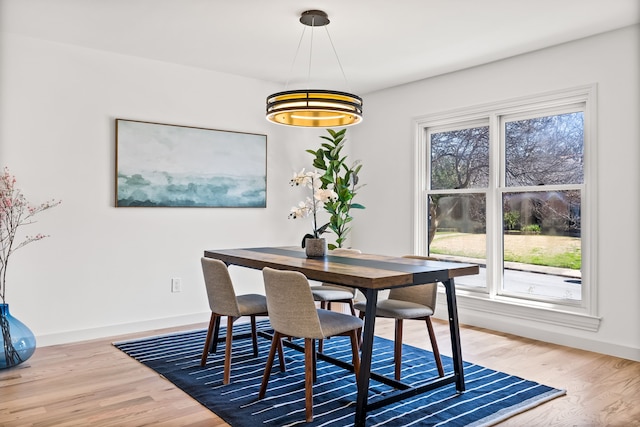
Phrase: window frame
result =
(583, 314)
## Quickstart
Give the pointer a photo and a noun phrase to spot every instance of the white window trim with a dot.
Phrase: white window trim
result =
(583, 316)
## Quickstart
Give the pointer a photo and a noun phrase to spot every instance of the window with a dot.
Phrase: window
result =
(506, 186)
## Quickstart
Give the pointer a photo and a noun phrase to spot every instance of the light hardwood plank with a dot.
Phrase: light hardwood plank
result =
(93, 383)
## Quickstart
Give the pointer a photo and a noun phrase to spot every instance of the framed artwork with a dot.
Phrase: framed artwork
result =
(161, 165)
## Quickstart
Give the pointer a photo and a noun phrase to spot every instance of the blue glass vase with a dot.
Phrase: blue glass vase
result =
(17, 342)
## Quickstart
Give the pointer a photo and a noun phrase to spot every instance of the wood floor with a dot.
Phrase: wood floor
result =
(94, 384)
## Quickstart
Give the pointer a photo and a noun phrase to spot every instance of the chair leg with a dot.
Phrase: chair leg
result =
(216, 334)
(434, 346)
(323, 305)
(227, 351)
(361, 316)
(207, 341)
(254, 336)
(314, 361)
(283, 367)
(351, 307)
(276, 343)
(308, 377)
(397, 349)
(355, 350)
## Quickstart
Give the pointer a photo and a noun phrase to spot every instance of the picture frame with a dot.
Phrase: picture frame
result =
(166, 165)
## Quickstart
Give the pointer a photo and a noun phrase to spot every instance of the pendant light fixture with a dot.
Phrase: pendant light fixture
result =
(314, 107)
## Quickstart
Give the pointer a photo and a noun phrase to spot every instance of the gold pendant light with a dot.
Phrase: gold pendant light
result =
(314, 107)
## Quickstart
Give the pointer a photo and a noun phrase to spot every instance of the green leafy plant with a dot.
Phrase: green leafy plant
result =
(511, 220)
(342, 179)
(531, 229)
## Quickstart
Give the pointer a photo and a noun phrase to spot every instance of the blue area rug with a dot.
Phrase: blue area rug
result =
(490, 396)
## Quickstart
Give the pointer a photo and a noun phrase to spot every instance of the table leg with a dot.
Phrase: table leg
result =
(216, 333)
(365, 356)
(454, 328)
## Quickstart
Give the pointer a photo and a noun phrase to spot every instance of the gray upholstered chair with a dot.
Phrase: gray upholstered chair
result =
(293, 313)
(224, 302)
(326, 293)
(412, 302)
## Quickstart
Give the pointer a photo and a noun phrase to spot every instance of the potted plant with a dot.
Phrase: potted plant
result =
(342, 179)
(17, 342)
(314, 245)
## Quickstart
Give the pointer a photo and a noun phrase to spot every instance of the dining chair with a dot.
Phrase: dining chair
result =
(293, 314)
(224, 302)
(327, 293)
(414, 303)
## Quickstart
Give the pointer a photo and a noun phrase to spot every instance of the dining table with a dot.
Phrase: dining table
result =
(370, 273)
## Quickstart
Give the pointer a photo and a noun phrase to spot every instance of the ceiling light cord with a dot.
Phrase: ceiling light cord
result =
(313, 22)
(344, 76)
(295, 57)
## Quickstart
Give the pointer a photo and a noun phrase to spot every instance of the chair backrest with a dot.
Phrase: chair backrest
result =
(421, 294)
(292, 310)
(222, 296)
(342, 251)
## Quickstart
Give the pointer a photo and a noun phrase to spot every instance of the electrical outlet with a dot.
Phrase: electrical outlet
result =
(176, 284)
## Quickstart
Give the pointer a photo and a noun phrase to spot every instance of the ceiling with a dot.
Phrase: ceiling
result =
(380, 43)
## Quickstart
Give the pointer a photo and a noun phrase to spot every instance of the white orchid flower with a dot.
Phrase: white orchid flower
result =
(313, 180)
(310, 206)
(326, 195)
(300, 211)
(300, 179)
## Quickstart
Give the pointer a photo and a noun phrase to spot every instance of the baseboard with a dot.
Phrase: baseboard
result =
(468, 317)
(541, 333)
(121, 329)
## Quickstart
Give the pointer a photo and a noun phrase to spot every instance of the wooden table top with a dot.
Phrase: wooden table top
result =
(358, 270)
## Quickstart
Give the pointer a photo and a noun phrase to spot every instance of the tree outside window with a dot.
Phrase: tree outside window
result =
(536, 181)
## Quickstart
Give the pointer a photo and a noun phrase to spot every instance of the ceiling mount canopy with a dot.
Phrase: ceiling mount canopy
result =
(314, 18)
(314, 107)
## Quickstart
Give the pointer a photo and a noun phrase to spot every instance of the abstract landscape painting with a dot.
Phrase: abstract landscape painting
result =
(160, 165)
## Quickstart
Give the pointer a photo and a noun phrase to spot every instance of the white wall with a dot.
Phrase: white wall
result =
(107, 270)
(385, 143)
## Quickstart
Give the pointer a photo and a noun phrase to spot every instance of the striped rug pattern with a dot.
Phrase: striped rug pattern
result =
(490, 396)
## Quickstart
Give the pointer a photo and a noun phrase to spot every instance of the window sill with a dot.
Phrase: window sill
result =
(519, 310)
